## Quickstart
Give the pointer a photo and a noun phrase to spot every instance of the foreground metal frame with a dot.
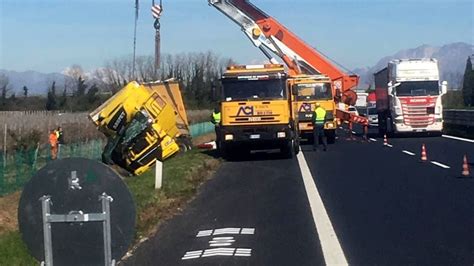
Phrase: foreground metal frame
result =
(76, 217)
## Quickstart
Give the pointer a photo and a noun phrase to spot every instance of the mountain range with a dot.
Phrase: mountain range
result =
(451, 57)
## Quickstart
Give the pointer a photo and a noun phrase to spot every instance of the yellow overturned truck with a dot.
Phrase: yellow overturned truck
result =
(143, 123)
(256, 111)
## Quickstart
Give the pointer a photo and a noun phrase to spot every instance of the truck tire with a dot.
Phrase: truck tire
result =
(296, 146)
(288, 149)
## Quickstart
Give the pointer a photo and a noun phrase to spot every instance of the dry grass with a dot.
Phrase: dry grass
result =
(8, 212)
(76, 126)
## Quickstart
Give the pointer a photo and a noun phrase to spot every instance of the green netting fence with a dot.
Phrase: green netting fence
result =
(200, 129)
(17, 167)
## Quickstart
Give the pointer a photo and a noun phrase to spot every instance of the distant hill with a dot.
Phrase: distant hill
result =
(451, 57)
(37, 83)
(452, 60)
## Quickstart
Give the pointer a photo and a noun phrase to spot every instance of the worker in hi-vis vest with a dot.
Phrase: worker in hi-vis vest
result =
(319, 118)
(216, 120)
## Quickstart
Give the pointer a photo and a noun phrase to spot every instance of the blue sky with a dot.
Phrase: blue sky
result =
(50, 35)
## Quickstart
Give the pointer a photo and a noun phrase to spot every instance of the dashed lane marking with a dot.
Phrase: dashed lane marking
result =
(374, 140)
(408, 152)
(440, 165)
(458, 138)
(389, 145)
(353, 132)
(332, 250)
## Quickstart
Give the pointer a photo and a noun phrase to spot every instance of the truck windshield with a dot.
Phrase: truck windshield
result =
(314, 91)
(270, 89)
(417, 88)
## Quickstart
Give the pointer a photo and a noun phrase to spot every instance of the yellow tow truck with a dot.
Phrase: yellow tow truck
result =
(307, 91)
(256, 111)
(143, 123)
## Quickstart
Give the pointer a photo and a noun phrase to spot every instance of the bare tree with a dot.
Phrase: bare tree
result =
(4, 88)
(73, 74)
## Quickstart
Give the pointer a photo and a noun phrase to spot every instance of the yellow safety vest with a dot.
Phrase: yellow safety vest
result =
(216, 117)
(319, 116)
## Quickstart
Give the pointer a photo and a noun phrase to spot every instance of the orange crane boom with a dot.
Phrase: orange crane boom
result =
(300, 57)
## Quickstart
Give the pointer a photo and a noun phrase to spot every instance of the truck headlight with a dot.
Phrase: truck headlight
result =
(229, 137)
(281, 135)
(398, 110)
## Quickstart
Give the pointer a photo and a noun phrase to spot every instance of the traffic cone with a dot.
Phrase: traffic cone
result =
(424, 158)
(465, 167)
(385, 141)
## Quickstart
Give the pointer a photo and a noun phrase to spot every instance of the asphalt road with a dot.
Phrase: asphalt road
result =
(360, 203)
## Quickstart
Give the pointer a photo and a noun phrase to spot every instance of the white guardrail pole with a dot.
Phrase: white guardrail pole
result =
(158, 174)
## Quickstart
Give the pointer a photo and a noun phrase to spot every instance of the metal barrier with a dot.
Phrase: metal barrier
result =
(459, 117)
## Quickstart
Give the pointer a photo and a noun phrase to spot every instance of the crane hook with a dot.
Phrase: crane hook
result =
(157, 24)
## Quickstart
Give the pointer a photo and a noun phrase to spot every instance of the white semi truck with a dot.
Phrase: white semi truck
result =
(408, 93)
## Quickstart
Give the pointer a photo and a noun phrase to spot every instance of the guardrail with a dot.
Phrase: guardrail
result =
(459, 117)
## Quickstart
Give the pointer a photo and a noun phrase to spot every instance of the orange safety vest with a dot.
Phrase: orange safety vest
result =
(53, 139)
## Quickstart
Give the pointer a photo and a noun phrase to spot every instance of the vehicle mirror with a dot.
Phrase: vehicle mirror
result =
(444, 87)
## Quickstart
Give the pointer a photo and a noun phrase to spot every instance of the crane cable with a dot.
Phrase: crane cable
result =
(156, 12)
(135, 38)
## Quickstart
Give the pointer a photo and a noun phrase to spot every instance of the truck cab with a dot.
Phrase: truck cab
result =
(409, 96)
(256, 110)
(142, 123)
(307, 91)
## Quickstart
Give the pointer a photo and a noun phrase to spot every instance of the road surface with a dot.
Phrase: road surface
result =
(359, 203)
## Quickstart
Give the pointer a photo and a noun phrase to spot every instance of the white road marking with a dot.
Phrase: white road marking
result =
(226, 231)
(408, 152)
(243, 252)
(440, 165)
(247, 231)
(204, 233)
(374, 140)
(192, 255)
(353, 132)
(389, 145)
(458, 138)
(221, 241)
(332, 250)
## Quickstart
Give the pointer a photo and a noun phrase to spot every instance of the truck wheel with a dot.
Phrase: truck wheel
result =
(296, 146)
(288, 149)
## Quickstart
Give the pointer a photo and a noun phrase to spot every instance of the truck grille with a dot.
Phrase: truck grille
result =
(418, 115)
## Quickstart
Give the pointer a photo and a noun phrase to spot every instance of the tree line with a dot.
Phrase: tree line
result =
(198, 73)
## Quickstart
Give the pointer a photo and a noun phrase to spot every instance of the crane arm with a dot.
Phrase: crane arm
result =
(263, 30)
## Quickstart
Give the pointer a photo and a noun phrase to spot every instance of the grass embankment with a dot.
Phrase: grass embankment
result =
(182, 177)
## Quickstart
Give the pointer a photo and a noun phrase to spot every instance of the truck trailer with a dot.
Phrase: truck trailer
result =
(409, 96)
